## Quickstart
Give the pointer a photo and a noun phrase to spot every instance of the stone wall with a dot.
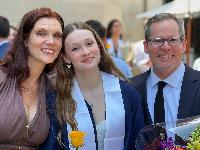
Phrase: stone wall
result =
(82, 10)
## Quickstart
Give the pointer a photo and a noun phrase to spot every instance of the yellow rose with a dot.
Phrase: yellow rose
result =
(77, 138)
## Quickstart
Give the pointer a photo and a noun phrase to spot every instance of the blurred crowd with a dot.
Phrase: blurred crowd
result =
(130, 58)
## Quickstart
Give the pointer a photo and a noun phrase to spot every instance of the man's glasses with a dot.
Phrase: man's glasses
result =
(158, 42)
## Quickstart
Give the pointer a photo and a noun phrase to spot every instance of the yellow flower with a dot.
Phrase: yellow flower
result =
(77, 138)
(107, 46)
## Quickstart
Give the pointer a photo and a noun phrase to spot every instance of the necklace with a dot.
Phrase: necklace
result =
(93, 95)
(92, 91)
(27, 128)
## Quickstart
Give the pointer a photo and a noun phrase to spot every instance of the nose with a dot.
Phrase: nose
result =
(166, 45)
(85, 51)
(50, 40)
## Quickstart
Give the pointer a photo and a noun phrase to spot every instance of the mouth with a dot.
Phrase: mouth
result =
(48, 51)
(88, 59)
(165, 57)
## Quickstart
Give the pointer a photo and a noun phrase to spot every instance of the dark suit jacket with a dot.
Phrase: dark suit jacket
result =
(189, 104)
(134, 119)
(4, 49)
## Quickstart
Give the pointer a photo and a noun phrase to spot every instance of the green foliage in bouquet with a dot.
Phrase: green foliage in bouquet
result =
(194, 139)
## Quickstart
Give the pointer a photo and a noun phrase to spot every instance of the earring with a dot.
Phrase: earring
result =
(68, 65)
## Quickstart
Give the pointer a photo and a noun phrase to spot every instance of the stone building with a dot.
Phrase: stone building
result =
(82, 10)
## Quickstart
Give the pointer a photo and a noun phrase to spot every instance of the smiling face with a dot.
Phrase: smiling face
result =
(166, 58)
(45, 41)
(82, 50)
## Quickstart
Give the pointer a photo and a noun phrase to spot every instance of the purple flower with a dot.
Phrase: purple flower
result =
(167, 144)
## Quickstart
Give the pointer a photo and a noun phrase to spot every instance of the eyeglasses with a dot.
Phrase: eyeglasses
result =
(158, 42)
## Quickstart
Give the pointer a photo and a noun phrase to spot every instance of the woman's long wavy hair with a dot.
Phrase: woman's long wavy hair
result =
(15, 64)
(66, 105)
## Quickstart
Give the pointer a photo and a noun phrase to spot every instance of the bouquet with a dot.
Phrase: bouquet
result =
(183, 134)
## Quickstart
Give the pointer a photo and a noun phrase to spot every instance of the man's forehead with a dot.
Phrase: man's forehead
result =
(165, 27)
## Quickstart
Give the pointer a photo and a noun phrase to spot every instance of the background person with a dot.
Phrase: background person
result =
(4, 32)
(114, 38)
(141, 59)
(12, 33)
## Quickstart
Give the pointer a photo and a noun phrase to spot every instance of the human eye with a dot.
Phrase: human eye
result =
(174, 41)
(41, 33)
(90, 43)
(156, 42)
(58, 35)
(75, 48)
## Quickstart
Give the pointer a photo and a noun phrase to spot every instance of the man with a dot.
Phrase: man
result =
(4, 32)
(179, 96)
(120, 63)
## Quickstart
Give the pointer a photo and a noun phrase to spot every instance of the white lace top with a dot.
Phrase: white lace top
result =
(101, 129)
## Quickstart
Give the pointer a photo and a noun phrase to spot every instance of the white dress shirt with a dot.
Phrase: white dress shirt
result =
(171, 92)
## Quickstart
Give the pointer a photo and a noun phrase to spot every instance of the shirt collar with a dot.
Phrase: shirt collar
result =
(172, 79)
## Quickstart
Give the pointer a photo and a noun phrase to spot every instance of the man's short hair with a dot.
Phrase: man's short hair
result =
(160, 18)
(98, 27)
(4, 27)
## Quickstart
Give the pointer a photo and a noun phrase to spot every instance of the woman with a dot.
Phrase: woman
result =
(23, 80)
(92, 96)
(114, 38)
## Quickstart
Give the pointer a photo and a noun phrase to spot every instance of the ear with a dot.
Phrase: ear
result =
(66, 59)
(145, 43)
(184, 44)
(26, 42)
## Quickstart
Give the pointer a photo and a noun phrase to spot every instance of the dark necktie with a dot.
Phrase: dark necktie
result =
(159, 111)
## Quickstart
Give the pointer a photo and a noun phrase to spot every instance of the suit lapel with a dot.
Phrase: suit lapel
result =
(140, 85)
(187, 95)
